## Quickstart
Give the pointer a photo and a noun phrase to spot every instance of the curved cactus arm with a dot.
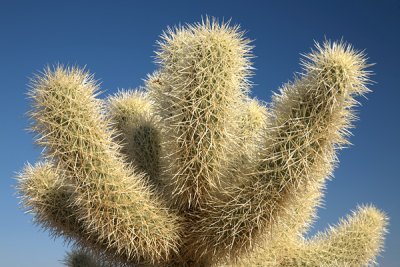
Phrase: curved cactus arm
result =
(287, 234)
(310, 121)
(312, 117)
(200, 85)
(114, 203)
(301, 212)
(46, 195)
(138, 131)
(355, 241)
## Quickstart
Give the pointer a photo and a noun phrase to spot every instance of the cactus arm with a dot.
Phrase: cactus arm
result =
(252, 122)
(354, 241)
(45, 194)
(202, 80)
(139, 132)
(84, 258)
(311, 118)
(288, 233)
(293, 224)
(115, 204)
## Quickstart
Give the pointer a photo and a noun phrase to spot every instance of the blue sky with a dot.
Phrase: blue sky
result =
(116, 40)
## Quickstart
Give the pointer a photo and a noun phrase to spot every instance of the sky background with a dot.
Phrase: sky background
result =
(116, 40)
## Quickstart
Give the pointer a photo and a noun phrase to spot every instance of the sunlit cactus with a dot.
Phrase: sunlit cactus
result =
(189, 170)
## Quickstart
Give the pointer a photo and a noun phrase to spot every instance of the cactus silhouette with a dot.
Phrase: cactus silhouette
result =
(189, 170)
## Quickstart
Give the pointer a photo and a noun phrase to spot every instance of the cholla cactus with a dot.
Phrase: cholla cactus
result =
(82, 258)
(192, 172)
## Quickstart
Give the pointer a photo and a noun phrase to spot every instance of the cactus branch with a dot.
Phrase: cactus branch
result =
(354, 241)
(138, 131)
(310, 120)
(203, 77)
(84, 258)
(115, 204)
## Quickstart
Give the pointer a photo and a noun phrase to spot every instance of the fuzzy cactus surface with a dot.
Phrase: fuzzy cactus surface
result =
(190, 170)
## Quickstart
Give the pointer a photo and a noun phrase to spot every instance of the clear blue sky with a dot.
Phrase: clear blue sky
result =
(116, 39)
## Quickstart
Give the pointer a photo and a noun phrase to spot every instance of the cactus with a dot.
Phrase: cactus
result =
(189, 170)
(84, 258)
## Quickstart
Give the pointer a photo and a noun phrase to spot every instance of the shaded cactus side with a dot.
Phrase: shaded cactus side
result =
(138, 131)
(191, 171)
(84, 258)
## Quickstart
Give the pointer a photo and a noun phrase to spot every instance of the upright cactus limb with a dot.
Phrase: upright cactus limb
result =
(138, 131)
(200, 84)
(113, 201)
(311, 118)
(254, 118)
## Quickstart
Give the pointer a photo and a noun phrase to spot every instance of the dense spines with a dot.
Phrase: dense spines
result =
(49, 198)
(354, 241)
(46, 193)
(84, 258)
(245, 178)
(115, 204)
(200, 84)
(312, 115)
(288, 233)
(138, 131)
(310, 120)
(253, 121)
